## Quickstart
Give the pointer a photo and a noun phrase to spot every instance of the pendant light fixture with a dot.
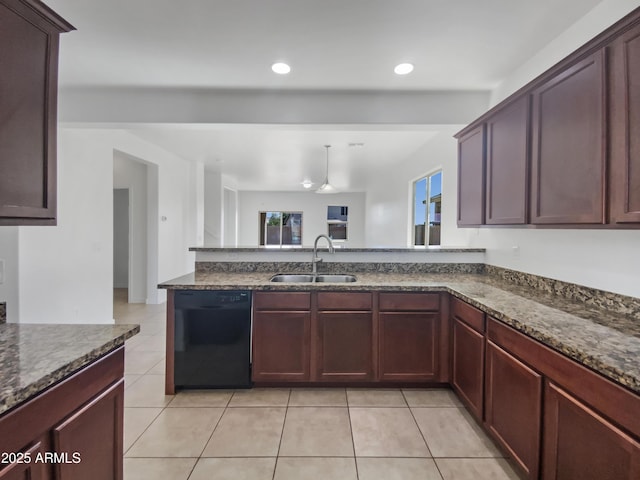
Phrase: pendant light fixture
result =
(326, 187)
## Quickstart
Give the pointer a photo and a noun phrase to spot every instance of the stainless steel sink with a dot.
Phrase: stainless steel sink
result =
(305, 278)
(291, 277)
(335, 278)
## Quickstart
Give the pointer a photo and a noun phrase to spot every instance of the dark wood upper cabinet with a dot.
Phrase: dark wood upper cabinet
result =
(580, 443)
(564, 150)
(29, 35)
(624, 81)
(471, 157)
(568, 146)
(507, 165)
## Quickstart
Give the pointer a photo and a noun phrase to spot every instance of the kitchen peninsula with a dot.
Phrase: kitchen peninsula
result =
(537, 361)
(61, 394)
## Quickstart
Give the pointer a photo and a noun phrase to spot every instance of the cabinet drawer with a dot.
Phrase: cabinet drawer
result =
(282, 300)
(406, 302)
(468, 314)
(344, 301)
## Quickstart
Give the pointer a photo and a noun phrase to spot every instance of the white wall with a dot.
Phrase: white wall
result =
(158, 105)
(121, 238)
(66, 272)
(9, 289)
(314, 214)
(390, 198)
(212, 208)
(131, 174)
(609, 260)
(605, 14)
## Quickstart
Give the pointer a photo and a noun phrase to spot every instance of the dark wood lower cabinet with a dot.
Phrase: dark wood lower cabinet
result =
(21, 470)
(76, 438)
(513, 407)
(73, 430)
(467, 366)
(281, 336)
(344, 347)
(281, 346)
(581, 444)
(408, 346)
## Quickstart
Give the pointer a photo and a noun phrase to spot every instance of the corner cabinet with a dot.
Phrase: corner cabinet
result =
(409, 326)
(29, 35)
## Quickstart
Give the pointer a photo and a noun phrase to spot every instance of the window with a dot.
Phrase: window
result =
(427, 207)
(337, 221)
(280, 228)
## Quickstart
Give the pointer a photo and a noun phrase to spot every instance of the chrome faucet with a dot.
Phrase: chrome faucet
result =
(315, 260)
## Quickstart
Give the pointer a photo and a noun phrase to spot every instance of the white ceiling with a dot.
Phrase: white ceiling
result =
(267, 157)
(330, 45)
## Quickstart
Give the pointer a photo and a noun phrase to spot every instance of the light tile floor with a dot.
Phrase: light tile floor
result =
(290, 434)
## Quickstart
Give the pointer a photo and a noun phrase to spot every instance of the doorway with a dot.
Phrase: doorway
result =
(121, 243)
(133, 226)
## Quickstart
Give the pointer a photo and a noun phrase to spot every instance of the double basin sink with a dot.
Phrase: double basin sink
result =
(310, 278)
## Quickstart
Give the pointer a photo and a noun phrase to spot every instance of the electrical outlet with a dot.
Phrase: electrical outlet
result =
(1, 271)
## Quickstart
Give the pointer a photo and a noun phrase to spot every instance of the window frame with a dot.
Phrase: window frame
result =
(427, 209)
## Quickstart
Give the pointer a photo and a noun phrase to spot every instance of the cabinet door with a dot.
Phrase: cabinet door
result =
(471, 155)
(568, 146)
(344, 346)
(513, 403)
(281, 346)
(624, 71)
(579, 443)
(467, 366)
(408, 346)
(23, 469)
(28, 98)
(91, 439)
(507, 164)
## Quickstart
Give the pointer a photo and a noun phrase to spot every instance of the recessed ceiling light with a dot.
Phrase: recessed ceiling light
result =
(281, 68)
(403, 68)
(307, 184)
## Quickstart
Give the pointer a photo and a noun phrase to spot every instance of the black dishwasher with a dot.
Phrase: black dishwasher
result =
(212, 341)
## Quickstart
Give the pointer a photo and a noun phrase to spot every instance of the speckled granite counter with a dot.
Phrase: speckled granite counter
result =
(35, 356)
(430, 249)
(606, 341)
(3, 312)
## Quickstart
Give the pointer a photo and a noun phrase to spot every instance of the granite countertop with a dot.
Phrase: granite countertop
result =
(608, 343)
(35, 356)
(338, 249)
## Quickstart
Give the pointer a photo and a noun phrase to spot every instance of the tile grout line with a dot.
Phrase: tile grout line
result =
(210, 436)
(424, 438)
(284, 421)
(353, 441)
